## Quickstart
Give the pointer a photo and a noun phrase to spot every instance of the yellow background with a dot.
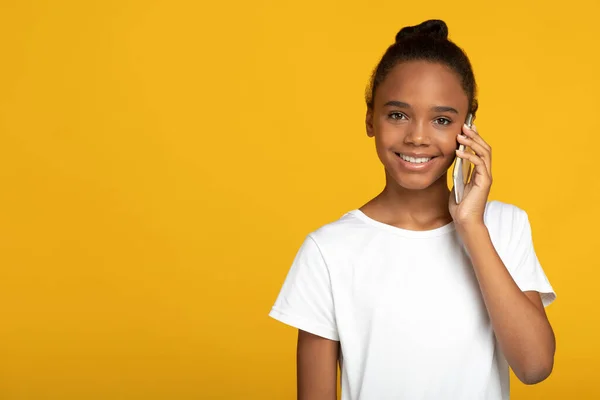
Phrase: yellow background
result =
(161, 162)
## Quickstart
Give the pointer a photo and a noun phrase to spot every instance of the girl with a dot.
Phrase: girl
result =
(415, 296)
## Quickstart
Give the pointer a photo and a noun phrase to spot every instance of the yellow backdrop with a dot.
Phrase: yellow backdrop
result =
(161, 162)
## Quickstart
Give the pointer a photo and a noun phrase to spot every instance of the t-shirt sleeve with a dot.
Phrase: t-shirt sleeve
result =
(522, 261)
(305, 300)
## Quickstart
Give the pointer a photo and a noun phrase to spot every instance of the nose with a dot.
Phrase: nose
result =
(417, 134)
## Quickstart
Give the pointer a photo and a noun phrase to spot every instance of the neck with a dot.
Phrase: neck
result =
(412, 209)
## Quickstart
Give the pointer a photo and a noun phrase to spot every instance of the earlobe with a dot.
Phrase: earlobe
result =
(369, 123)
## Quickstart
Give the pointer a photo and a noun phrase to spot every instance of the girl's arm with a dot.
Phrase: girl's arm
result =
(317, 359)
(518, 318)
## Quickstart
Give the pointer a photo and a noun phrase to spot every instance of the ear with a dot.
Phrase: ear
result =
(369, 123)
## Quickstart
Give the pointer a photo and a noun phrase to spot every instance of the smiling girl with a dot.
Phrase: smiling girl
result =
(415, 296)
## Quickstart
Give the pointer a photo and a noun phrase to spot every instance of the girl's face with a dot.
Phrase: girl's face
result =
(418, 111)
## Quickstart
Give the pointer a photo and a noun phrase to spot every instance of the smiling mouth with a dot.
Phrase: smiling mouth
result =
(414, 160)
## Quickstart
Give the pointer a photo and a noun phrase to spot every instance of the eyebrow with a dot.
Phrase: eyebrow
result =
(401, 104)
(442, 109)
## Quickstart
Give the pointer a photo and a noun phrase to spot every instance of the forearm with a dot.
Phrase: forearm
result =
(523, 331)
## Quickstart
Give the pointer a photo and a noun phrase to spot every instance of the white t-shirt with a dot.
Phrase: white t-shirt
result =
(406, 305)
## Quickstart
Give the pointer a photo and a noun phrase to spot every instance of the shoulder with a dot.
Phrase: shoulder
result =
(504, 217)
(507, 224)
(346, 231)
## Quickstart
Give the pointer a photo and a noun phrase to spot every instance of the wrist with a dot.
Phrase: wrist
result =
(472, 230)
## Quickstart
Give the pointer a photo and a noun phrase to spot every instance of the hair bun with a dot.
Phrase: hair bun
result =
(435, 28)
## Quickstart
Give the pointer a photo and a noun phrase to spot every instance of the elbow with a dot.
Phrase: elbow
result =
(536, 372)
(536, 366)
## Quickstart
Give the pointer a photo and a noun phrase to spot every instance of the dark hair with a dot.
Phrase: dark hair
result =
(427, 41)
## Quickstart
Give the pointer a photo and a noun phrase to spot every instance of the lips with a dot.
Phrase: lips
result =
(414, 159)
(415, 162)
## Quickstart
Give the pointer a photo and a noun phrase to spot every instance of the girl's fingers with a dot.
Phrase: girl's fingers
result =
(479, 150)
(474, 158)
(479, 164)
(474, 145)
(474, 135)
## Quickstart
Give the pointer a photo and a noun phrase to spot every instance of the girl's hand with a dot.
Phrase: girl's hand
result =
(470, 210)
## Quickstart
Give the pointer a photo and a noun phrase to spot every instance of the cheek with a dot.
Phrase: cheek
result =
(388, 135)
(384, 141)
(381, 147)
(448, 144)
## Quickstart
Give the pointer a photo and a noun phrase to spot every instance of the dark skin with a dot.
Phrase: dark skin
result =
(316, 367)
(420, 109)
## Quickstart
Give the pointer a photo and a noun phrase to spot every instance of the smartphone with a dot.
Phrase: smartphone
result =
(462, 169)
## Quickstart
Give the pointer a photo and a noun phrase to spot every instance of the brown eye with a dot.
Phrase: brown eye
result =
(396, 116)
(443, 121)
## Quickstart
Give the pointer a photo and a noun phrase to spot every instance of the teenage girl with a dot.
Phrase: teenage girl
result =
(416, 296)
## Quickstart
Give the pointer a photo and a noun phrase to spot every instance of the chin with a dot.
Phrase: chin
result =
(414, 182)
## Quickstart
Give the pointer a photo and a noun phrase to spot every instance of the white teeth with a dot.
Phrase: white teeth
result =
(414, 160)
